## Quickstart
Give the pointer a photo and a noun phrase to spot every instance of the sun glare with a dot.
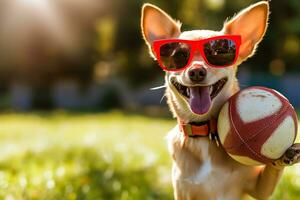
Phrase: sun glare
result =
(49, 20)
(38, 3)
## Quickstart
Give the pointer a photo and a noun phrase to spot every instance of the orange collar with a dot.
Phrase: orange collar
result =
(205, 129)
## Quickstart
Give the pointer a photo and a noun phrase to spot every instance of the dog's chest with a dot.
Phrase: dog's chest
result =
(200, 170)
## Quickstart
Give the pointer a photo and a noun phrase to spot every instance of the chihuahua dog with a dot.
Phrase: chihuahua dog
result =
(201, 67)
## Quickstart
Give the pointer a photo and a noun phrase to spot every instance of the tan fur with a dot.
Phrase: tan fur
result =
(201, 169)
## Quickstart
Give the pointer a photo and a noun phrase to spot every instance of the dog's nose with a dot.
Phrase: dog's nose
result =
(197, 75)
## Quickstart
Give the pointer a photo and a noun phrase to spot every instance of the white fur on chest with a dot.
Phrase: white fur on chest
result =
(204, 171)
(199, 174)
(194, 174)
(208, 176)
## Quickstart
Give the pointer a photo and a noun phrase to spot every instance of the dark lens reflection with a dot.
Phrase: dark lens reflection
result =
(175, 55)
(220, 52)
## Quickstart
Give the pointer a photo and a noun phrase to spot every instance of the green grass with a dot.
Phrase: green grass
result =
(92, 156)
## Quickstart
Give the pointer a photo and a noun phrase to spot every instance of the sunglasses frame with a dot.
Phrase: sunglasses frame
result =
(196, 45)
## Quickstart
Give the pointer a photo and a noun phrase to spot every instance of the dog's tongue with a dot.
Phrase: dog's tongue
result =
(200, 100)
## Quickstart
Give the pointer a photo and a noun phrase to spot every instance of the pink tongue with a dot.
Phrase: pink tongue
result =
(200, 100)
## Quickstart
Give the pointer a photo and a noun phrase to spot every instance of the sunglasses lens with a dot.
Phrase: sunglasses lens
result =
(175, 55)
(220, 52)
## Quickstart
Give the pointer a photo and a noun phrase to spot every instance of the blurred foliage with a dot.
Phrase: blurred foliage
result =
(114, 156)
(111, 99)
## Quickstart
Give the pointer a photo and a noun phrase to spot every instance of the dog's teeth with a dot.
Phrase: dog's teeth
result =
(181, 88)
(210, 89)
(187, 92)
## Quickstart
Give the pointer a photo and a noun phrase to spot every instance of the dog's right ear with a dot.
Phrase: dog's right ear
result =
(156, 24)
(251, 23)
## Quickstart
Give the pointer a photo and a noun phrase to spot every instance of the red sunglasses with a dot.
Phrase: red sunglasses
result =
(176, 54)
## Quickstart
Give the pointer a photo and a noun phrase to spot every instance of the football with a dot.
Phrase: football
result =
(257, 125)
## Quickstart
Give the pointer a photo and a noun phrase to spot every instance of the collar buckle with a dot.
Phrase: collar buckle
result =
(207, 129)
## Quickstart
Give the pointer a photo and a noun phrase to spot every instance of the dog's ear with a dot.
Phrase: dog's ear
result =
(251, 23)
(156, 24)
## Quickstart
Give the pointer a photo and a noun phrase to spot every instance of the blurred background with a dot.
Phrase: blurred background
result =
(78, 120)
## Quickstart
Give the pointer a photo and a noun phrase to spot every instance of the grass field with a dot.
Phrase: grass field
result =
(61, 155)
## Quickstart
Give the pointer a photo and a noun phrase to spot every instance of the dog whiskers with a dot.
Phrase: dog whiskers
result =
(162, 98)
(158, 87)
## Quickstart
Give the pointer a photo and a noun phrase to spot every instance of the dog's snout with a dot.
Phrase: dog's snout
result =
(197, 75)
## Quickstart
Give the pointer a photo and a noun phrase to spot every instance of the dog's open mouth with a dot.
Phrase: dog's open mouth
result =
(200, 97)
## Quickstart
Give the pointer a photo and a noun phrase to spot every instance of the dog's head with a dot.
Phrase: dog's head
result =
(197, 92)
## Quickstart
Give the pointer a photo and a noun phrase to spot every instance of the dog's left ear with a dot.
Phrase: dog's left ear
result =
(157, 24)
(251, 23)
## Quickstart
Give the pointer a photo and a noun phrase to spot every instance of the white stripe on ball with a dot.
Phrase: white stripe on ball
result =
(280, 140)
(223, 123)
(256, 104)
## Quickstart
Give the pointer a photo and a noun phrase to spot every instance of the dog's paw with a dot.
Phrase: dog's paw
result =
(290, 157)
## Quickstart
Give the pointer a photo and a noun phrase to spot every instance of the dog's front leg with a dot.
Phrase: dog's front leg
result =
(267, 179)
(269, 175)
